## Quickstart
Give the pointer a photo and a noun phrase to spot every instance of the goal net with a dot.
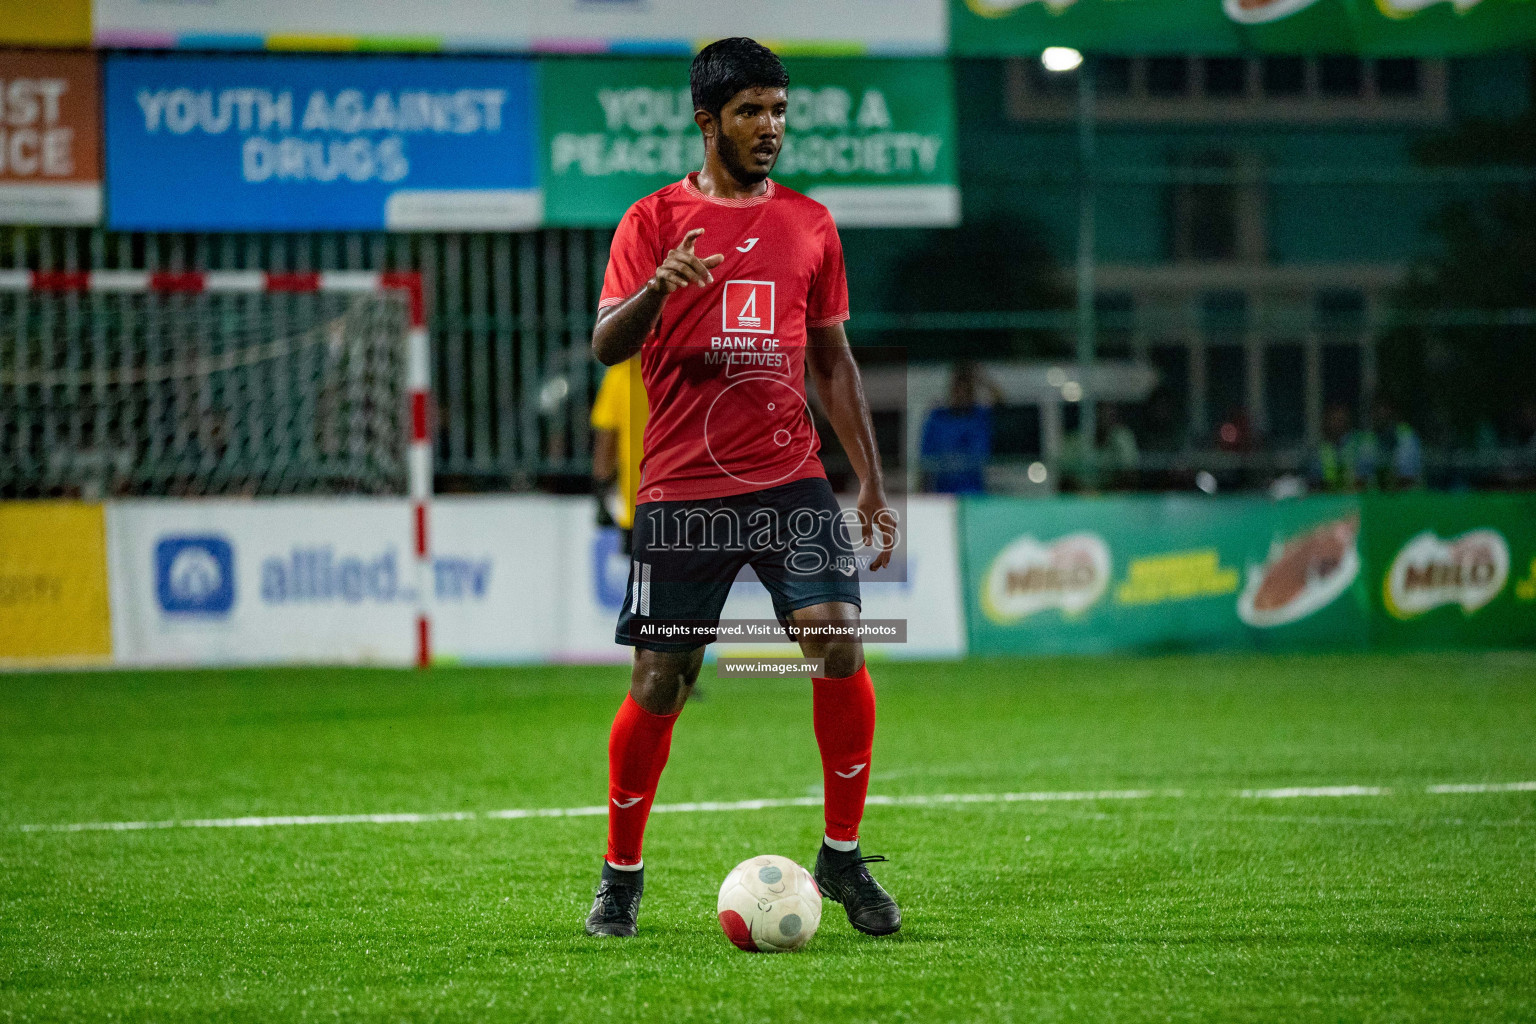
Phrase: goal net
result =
(118, 384)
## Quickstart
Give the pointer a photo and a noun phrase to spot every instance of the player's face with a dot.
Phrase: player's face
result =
(751, 131)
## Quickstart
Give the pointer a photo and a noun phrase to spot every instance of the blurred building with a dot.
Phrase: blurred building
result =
(1254, 219)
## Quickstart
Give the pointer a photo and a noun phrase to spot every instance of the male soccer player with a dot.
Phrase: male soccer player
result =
(730, 474)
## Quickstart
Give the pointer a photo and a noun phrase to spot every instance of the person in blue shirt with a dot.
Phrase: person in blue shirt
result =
(957, 437)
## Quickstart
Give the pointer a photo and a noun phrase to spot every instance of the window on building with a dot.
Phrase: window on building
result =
(1164, 423)
(1397, 77)
(1225, 77)
(1341, 76)
(1167, 76)
(1223, 89)
(1050, 84)
(1226, 386)
(1284, 76)
(1115, 335)
(1285, 371)
(1112, 76)
(1342, 379)
(1340, 310)
(1204, 212)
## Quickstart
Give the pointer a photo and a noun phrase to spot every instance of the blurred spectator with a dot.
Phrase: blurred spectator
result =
(619, 413)
(1111, 463)
(957, 438)
(1118, 451)
(1333, 465)
(1388, 455)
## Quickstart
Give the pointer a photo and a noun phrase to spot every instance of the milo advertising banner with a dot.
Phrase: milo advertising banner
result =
(872, 139)
(1170, 573)
(1371, 27)
(1452, 570)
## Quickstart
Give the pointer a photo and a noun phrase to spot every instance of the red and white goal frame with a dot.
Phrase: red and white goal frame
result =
(230, 282)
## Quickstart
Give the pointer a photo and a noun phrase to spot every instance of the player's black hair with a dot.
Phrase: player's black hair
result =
(725, 67)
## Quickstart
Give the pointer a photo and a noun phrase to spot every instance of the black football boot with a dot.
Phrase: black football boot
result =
(616, 908)
(844, 878)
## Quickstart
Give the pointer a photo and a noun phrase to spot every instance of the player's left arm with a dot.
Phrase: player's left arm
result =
(830, 360)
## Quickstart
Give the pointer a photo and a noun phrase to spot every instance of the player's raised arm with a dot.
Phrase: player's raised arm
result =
(621, 328)
(830, 360)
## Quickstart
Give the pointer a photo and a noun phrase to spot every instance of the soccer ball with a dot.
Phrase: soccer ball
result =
(769, 905)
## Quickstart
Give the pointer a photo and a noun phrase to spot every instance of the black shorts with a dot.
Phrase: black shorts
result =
(686, 554)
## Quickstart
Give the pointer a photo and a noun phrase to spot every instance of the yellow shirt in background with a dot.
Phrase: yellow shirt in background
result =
(620, 406)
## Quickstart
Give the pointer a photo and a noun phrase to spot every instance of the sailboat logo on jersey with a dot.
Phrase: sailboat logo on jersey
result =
(747, 307)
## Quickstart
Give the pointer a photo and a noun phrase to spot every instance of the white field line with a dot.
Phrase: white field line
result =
(1296, 791)
(919, 800)
(1483, 787)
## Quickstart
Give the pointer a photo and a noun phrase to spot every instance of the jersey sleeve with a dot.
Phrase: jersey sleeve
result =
(828, 300)
(631, 258)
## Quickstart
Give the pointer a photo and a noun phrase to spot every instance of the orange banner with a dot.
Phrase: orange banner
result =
(50, 138)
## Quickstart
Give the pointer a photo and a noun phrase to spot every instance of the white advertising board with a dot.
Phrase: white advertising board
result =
(254, 582)
(521, 577)
(514, 579)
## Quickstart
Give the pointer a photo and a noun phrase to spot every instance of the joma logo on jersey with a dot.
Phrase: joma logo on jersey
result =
(747, 307)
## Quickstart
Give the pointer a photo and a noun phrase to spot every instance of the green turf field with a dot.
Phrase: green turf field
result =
(1190, 903)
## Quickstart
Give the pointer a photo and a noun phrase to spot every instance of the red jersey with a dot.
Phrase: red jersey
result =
(724, 367)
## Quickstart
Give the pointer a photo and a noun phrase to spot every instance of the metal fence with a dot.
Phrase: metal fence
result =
(511, 316)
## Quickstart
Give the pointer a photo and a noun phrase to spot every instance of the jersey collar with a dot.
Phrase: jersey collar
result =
(691, 187)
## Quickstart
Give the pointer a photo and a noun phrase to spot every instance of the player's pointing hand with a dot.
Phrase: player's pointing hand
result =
(683, 267)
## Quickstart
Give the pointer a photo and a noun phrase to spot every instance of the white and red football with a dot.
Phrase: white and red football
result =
(769, 905)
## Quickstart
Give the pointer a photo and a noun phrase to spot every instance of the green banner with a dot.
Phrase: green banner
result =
(1174, 573)
(1452, 570)
(874, 140)
(1212, 27)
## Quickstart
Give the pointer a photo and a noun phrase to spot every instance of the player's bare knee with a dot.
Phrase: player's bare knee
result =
(661, 680)
(843, 658)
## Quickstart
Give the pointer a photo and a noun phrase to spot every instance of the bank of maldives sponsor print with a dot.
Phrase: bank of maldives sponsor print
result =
(1070, 573)
(1429, 572)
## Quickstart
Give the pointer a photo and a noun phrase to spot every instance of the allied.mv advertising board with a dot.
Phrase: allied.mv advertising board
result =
(320, 143)
(247, 583)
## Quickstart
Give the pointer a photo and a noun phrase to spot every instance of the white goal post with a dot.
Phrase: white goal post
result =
(219, 383)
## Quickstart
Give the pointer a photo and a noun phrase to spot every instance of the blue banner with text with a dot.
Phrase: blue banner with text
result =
(307, 143)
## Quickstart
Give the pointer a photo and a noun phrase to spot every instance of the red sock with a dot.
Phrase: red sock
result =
(637, 752)
(843, 711)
